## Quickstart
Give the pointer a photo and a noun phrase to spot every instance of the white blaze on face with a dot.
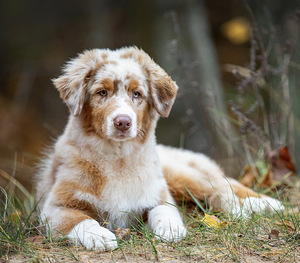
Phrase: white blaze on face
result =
(123, 109)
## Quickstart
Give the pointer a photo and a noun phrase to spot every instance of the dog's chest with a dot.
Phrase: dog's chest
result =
(132, 186)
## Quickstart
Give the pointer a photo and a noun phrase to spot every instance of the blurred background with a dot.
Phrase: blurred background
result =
(236, 63)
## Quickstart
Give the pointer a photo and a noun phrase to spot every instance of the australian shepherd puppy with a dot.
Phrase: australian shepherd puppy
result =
(105, 170)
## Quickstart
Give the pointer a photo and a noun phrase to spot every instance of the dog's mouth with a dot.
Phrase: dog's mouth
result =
(122, 136)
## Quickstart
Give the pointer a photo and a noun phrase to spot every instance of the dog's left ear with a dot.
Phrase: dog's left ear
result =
(72, 84)
(163, 89)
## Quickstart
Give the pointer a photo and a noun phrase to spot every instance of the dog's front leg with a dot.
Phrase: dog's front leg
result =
(79, 227)
(166, 223)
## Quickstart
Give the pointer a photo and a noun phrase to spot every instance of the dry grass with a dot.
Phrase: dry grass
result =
(271, 238)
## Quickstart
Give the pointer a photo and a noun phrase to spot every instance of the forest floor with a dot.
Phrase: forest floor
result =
(261, 238)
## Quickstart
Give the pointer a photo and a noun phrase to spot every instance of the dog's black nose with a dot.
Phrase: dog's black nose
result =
(122, 122)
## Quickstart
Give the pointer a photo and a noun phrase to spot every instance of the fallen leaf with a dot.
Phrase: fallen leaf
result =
(274, 234)
(36, 239)
(281, 164)
(123, 233)
(286, 159)
(213, 221)
(267, 180)
(250, 176)
(276, 172)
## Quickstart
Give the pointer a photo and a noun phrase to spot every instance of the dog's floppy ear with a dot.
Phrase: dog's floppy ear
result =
(163, 89)
(72, 84)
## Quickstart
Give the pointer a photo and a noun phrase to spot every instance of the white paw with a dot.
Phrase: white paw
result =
(273, 204)
(170, 233)
(258, 205)
(92, 236)
(238, 213)
(166, 223)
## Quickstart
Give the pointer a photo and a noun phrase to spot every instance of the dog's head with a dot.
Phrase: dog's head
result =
(116, 94)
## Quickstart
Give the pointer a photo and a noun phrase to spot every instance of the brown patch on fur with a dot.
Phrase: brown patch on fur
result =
(138, 55)
(140, 58)
(65, 197)
(116, 83)
(127, 54)
(133, 85)
(107, 84)
(93, 119)
(162, 89)
(165, 90)
(163, 196)
(144, 122)
(71, 218)
(242, 192)
(86, 118)
(178, 182)
(94, 180)
(104, 56)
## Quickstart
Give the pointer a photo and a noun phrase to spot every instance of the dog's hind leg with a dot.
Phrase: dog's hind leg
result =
(252, 201)
(189, 183)
(206, 181)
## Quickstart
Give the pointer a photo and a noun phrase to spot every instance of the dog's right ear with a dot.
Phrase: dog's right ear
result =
(72, 84)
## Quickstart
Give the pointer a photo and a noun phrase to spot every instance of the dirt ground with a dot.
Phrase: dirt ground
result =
(164, 255)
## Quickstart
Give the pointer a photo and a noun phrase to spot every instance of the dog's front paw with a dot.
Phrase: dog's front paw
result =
(170, 233)
(92, 236)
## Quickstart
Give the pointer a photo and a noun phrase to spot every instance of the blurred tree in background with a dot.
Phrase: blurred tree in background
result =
(191, 39)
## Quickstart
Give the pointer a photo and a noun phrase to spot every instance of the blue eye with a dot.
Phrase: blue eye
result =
(136, 94)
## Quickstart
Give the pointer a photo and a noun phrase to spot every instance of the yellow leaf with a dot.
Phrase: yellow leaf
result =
(213, 221)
